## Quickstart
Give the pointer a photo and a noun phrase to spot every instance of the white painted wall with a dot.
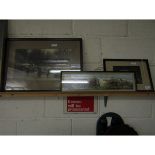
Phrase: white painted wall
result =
(101, 39)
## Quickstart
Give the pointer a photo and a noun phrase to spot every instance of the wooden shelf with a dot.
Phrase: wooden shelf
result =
(59, 93)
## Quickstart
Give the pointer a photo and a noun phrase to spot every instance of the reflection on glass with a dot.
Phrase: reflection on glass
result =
(39, 69)
(97, 81)
(135, 69)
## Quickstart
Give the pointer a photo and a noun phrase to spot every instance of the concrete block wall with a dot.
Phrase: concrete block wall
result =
(101, 39)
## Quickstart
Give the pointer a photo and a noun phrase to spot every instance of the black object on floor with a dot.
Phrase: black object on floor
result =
(117, 126)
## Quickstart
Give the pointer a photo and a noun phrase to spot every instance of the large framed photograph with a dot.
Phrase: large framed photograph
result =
(139, 66)
(98, 81)
(35, 64)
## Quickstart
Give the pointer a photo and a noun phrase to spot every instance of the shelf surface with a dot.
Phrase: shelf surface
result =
(59, 93)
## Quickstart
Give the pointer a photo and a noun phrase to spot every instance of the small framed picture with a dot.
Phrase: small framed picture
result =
(35, 64)
(98, 81)
(139, 66)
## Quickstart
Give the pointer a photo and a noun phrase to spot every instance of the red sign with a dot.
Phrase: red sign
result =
(80, 104)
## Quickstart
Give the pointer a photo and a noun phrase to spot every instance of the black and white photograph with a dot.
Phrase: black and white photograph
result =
(38, 66)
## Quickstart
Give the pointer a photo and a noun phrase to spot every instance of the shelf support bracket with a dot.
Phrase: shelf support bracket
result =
(105, 101)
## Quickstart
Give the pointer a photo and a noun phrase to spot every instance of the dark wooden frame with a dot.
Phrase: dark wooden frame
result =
(99, 90)
(3, 40)
(134, 60)
(6, 57)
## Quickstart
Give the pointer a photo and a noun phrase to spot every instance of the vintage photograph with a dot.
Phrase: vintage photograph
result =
(98, 81)
(37, 66)
(139, 66)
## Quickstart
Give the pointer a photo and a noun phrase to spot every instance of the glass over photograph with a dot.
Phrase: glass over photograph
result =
(98, 81)
(36, 65)
(139, 66)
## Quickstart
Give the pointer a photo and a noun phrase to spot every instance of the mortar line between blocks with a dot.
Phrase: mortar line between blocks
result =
(16, 127)
(73, 23)
(100, 54)
(127, 28)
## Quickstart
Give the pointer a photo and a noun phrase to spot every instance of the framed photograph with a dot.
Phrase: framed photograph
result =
(98, 81)
(139, 66)
(35, 64)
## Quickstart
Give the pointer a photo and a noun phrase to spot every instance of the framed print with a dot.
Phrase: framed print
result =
(139, 66)
(97, 81)
(35, 64)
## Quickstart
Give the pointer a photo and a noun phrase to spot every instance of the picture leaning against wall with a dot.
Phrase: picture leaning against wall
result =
(98, 81)
(36, 64)
(139, 66)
